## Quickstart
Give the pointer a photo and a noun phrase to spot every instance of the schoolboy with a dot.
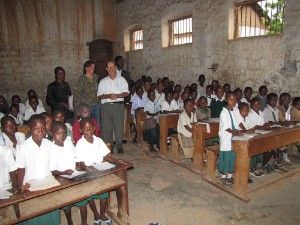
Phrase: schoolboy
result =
(218, 103)
(89, 150)
(169, 105)
(209, 94)
(59, 116)
(33, 163)
(203, 112)
(184, 128)
(83, 110)
(247, 95)
(16, 114)
(262, 93)
(17, 100)
(34, 108)
(30, 94)
(201, 87)
(49, 121)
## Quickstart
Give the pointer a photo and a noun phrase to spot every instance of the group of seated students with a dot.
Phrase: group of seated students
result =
(51, 148)
(238, 112)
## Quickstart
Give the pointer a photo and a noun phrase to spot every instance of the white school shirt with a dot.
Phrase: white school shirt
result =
(7, 165)
(209, 98)
(137, 103)
(62, 158)
(256, 119)
(90, 153)
(169, 107)
(225, 123)
(28, 106)
(183, 120)
(1, 115)
(34, 158)
(245, 100)
(180, 104)
(200, 91)
(132, 97)
(268, 114)
(29, 112)
(116, 86)
(19, 120)
(159, 97)
(5, 141)
(22, 108)
(151, 107)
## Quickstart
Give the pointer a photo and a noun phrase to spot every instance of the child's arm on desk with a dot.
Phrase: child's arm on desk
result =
(114, 161)
(20, 178)
(58, 173)
(235, 132)
(80, 166)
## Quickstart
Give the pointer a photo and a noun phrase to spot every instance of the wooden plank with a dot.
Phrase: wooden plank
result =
(140, 125)
(129, 120)
(64, 197)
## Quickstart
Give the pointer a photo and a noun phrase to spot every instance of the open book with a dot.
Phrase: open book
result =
(43, 183)
(103, 166)
(5, 194)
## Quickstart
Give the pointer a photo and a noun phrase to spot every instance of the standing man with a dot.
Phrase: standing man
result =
(58, 94)
(112, 90)
(124, 73)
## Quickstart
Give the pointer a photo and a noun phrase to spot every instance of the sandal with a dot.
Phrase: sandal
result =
(106, 222)
(97, 222)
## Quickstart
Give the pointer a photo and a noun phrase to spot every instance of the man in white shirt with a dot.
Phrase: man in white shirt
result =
(112, 90)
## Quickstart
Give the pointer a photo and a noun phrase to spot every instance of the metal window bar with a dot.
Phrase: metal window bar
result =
(180, 31)
(137, 40)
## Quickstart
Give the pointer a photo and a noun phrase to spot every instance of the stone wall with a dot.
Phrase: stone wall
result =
(37, 36)
(272, 60)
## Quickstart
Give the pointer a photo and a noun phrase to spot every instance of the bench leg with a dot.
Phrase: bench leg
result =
(175, 149)
(211, 166)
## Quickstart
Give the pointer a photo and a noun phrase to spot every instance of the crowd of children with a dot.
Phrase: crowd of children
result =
(58, 148)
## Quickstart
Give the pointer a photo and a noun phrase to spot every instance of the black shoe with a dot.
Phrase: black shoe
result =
(230, 180)
(124, 141)
(120, 150)
(250, 181)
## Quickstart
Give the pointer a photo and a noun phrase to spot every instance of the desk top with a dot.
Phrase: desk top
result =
(64, 184)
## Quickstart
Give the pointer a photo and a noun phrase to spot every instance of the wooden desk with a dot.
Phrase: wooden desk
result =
(129, 120)
(166, 121)
(140, 126)
(200, 134)
(28, 204)
(259, 144)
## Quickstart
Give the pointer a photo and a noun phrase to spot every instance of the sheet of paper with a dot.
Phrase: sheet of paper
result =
(75, 174)
(207, 126)
(103, 166)
(70, 102)
(5, 194)
(263, 131)
(241, 138)
(214, 120)
(43, 183)
(275, 125)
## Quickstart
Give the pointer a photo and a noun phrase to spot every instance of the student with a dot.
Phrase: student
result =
(1, 116)
(59, 116)
(284, 116)
(229, 125)
(89, 150)
(151, 133)
(193, 87)
(33, 163)
(271, 115)
(247, 95)
(17, 100)
(159, 94)
(187, 89)
(49, 121)
(215, 85)
(4, 108)
(83, 110)
(177, 88)
(34, 108)
(146, 88)
(169, 105)
(226, 88)
(262, 93)
(178, 100)
(62, 162)
(201, 88)
(30, 94)
(16, 114)
(9, 135)
(217, 103)
(239, 95)
(8, 169)
(184, 128)
(132, 92)
(203, 112)
(194, 98)
(295, 115)
(209, 94)
(138, 101)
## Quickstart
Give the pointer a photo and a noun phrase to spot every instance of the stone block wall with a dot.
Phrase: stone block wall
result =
(273, 60)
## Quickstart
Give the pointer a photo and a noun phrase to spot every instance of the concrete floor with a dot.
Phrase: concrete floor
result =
(165, 193)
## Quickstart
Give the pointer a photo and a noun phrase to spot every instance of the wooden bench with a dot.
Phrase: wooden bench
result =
(175, 148)
(212, 153)
(140, 127)
(128, 122)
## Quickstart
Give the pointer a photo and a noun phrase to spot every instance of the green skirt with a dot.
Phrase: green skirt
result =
(101, 196)
(255, 160)
(51, 218)
(226, 162)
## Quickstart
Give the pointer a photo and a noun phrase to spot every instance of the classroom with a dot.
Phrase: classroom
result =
(197, 59)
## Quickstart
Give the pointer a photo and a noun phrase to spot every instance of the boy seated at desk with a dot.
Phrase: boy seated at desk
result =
(184, 128)
(202, 111)
(295, 115)
(62, 162)
(90, 150)
(33, 163)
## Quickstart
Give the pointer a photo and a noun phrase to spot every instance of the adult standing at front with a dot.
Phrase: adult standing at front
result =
(112, 90)
(86, 89)
(124, 73)
(58, 94)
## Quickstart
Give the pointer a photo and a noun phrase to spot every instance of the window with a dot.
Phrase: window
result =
(136, 39)
(260, 17)
(180, 31)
